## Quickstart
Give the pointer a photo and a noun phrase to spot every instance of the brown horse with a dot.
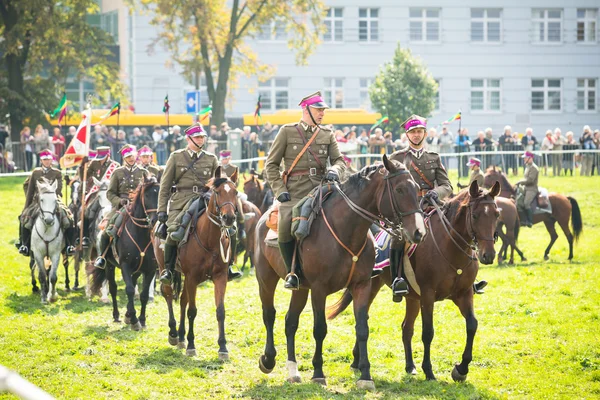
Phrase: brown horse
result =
(564, 208)
(258, 193)
(338, 254)
(250, 228)
(204, 256)
(445, 268)
(509, 217)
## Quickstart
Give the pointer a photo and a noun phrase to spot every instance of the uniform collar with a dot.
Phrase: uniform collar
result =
(416, 152)
(130, 169)
(307, 127)
(192, 152)
(44, 169)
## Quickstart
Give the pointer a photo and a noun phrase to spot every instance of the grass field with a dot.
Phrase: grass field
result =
(538, 332)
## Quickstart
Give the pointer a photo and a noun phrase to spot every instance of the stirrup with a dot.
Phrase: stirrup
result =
(70, 250)
(376, 272)
(289, 285)
(166, 277)
(479, 286)
(397, 291)
(24, 250)
(100, 262)
(86, 241)
(231, 275)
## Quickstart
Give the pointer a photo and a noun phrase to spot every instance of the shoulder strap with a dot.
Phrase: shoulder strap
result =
(418, 171)
(188, 168)
(306, 146)
(309, 149)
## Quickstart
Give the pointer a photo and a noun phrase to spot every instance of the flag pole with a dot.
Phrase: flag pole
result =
(85, 168)
(459, 132)
(118, 115)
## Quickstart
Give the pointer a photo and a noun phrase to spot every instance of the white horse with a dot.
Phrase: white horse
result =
(47, 239)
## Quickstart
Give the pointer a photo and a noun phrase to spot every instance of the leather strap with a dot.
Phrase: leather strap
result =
(418, 171)
(309, 149)
(306, 146)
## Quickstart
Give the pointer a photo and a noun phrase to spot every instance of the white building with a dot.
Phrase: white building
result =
(520, 63)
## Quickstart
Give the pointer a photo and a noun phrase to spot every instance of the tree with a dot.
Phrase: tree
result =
(207, 37)
(44, 43)
(403, 87)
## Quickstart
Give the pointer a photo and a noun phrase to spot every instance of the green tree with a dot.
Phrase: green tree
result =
(207, 37)
(43, 43)
(403, 87)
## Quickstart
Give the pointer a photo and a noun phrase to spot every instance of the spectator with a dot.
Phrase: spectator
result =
(27, 146)
(214, 133)
(363, 143)
(70, 135)
(268, 132)
(587, 143)
(482, 144)
(3, 136)
(339, 136)
(547, 145)
(569, 159)
(351, 137)
(376, 142)
(41, 141)
(111, 140)
(463, 144)
(446, 144)
(508, 143)
(432, 140)
(254, 147)
(529, 142)
(121, 141)
(389, 143)
(176, 140)
(58, 141)
(160, 146)
(402, 142)
(98, 137)
(225, 128)
(495, 159)
(559, 141)
(596, 155)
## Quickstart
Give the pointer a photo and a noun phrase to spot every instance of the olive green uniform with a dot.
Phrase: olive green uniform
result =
(95, 170)
(153, 169)
(530, 181)
(181, 181)
(30, 188)
(476, 176)
(307, 173)
(229, 170)
(123, 181)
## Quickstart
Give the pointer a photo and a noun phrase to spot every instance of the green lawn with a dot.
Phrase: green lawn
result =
(538, 332)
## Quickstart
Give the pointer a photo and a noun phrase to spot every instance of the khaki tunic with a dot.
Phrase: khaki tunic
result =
(30, 186)
(189, 180)
(123, 181)
(530, 180)
(476, 176)
(431, 167)
(151, 168)
(285, 148)
(229, 170)
(95, 170)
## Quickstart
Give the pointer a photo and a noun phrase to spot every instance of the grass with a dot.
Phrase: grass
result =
(537, 337)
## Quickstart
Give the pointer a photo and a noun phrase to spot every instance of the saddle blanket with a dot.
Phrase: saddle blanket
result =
(544, 199)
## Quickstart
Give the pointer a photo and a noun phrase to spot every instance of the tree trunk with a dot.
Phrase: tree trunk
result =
(16, 86)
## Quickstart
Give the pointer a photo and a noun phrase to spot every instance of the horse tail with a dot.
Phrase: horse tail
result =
(576, 222)
(336, 309)
(176, 285)
(98, 278)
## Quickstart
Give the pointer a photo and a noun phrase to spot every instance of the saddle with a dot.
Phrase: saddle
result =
(307, 209)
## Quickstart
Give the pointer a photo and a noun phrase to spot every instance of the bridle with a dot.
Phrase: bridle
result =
(143, 222)
(44, 212)
(53, 214)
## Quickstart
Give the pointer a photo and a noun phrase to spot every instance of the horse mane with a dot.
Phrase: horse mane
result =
(360, 179)
(137, 197)
(214, 183)
(458, 203)
(45, 186)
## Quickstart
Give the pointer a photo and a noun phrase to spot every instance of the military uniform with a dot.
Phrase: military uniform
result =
(476, 175)
(151, 168)
(530, 182)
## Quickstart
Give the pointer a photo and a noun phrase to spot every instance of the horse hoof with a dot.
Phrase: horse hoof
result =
(223, 356)
(294, 379)
(117, 321)
(365, 385)
(181, 345)
(77, 288)
(457, 376)
(320, 381)
(67, 289)
(44, 301)
(173, 341)
(412, 371)
(430, 378)
(127, 320)
(137, 326)
(105, 300)
(523, 259)
(35, 290)
(190, 352)
(262, 367)
(546, 258)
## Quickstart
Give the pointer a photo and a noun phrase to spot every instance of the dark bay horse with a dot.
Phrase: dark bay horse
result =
(445, 267)
(135, 254)
(259, 194)
(338, 254)
(250, 228)
(564, 208)
(509, 218)
(205, 256)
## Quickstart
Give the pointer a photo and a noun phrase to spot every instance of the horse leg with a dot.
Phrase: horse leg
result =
(147, 280)
(465, 304)
(267, 285)
(361, 295)
(427, 301)
(376, 285)
(408, 330)
(53, 278)
(42, 277)
(564, 225)
(130, 283)
(553, 236)
(220, 286)
(34, 286)
(190, 286)
(112, 287)
(318, 299)
(167, 292)
(297, 304)
(66, 265)
(183, 302)
(76, 266)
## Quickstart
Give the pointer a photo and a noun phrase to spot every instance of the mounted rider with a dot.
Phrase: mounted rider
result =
(145, 156)
(31, 208)
(121, 189)
(101, 168)
(530, 182)
(230, 170)
(187, 171)
(476, 174)
(304, 148)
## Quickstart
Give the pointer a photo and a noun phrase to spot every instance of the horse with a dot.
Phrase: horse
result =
(563, 209)
(204, 256)
(47, 239)
(445, 268)
(259, 194)
(509, 217)
(338, 254)
(75, 207)
(249, 227)
(135, 255)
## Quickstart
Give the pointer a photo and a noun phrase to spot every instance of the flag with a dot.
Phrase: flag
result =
(166, 105)
(78, 148)
(61, 110)
(116, 109)
(257, 112)
(205, 113)
(452, 118)
(382, 120)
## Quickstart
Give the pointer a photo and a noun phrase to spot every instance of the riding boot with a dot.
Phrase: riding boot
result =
(529, 217)
(478, 287)
(86, 232)
(185, 221)
(231, 275)
(287, 252)
(69, 235)
(19, 241)
(399, 285)
(25, 241)
(170, 260)
(241, 232)
(100, 262)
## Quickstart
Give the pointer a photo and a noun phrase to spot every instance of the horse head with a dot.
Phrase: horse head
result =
(253, 189)
(148, 197)
(401, 202)
(47, 200)
(102, 197)
(482, 217)
(223, 201)
(75, 185)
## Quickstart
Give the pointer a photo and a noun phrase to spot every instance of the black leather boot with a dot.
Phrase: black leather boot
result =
(69, 238)
(241, 232)
(100, 262)
(399, 285)
(287, 252)
(170, 259)
(479, 286)
(529, 218)
(178, 234)
(86, 233)
(25, 242)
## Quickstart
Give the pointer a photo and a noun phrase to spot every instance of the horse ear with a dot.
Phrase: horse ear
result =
(386, 163)
(495, 189)
(244, 176)
(54, 185)
(39, 185)
(474, 189)
(218, 172)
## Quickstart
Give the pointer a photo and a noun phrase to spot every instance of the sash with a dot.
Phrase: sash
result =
(111, 168)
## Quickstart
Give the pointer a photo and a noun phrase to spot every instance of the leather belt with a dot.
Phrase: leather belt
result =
(194, 189)
(310, 172)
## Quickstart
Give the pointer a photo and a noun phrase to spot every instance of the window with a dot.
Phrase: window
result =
(486, 25)
(546, 94)
(109, 22)
(424, 24)
(273, 31)
(586, 94)
(485, 94)
(586, 25)
(334, 92)
(365, 101)
(274, 94)
(547, 26)
(334, 25)
(368, 24)
(436, 107)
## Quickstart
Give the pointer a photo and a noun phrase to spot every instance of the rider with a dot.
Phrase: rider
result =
(187, 171)
(100, 168)
(476, 174)
(29, 210)
(123, 183)
(145, 160)
(350, 170)
(530, 181)
(229, 169)
(303, 170)
(428, 172)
